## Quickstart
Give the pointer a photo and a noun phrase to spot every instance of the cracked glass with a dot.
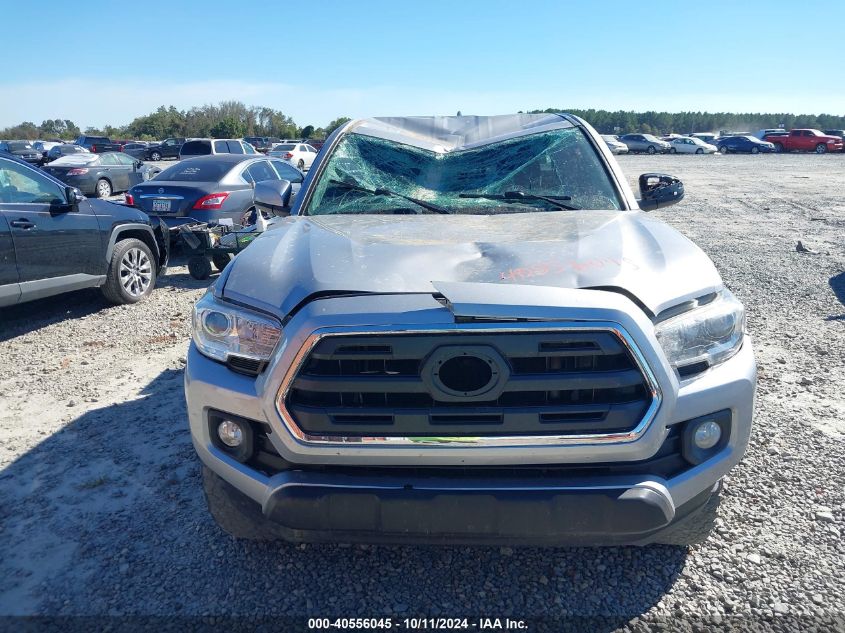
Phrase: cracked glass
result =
(560, 163)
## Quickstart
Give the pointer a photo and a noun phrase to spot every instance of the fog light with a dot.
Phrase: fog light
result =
(706, 435)
(230, 433)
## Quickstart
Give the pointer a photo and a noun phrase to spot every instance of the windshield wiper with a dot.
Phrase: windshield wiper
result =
(521, 197)
(381, 191)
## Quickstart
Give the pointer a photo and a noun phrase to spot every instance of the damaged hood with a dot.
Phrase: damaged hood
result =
(628, 251)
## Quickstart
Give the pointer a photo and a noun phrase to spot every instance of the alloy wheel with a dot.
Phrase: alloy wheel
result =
(136, 272)
(103, 189)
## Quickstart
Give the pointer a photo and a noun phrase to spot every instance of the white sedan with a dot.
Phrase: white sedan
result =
(299, 154)
(691, 145)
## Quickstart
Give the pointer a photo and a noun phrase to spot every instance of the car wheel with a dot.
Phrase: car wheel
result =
(155, 156)
(723, 149)
(132, 272)
(103, 188)
(651, 149)
(755, 150)
(234, 512)
(699, 151)
(301, 165)
(672, 150)
(221, 260)
(199, 267)
(821, 148)
(778, 148)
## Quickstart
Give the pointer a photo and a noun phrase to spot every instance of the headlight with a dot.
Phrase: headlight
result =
(704, 336)
(221, 330)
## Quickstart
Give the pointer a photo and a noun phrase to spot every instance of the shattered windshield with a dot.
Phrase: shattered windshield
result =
(364, 175)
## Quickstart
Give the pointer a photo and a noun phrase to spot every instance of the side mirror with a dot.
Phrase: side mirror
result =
(73, 196)
(659, 190)
(273, 196)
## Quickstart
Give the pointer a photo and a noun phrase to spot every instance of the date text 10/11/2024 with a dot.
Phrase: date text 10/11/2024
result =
(417, 624)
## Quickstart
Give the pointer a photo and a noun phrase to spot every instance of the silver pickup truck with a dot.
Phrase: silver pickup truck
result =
(465, 330)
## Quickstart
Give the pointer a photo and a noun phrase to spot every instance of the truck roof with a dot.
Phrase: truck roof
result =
(448, 133)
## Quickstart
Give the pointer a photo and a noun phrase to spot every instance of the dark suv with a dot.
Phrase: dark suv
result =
(168, 148)
(54, 240)
(22, 149)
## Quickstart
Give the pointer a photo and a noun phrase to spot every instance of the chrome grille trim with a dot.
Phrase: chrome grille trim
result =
(469, 442)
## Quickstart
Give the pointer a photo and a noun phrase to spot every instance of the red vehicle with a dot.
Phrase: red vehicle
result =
(805, 140)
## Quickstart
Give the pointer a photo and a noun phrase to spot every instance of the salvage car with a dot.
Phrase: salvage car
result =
(43, 147)
(55, 240)
(466, 330)
(744, 144)
(647, 143)
(65, 149)
(805, 140)
(690, 145)
(210, 188)
(300, 154)
(707, 137)
(168, 148)
(23, 150)
(97, 144)
(101, 175)
(209, 147)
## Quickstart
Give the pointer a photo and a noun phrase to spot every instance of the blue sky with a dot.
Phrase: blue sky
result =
(318, 60)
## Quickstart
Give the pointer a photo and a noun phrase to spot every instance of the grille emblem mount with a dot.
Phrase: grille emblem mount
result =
(465, 373)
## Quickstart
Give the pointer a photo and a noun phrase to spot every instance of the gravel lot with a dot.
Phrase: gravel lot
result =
(103, 512)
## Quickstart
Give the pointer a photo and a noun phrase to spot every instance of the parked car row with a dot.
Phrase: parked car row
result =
(767, 140)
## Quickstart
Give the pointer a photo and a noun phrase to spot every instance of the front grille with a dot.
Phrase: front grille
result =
(545, 383)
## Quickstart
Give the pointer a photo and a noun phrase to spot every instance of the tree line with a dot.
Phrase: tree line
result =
(228, 119)
(623, 122)
(233, 119)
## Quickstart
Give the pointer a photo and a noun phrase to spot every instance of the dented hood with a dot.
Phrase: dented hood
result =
(394, 254)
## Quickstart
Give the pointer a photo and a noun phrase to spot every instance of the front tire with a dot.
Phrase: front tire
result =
(651, 149)
(672, 150)
(234, 512)
(301, 165)
(155, 156)
(778, 148)
(723, 150)
(132, 272)
(699, 151)
(755, 150)
(104, 189)
(821, 148)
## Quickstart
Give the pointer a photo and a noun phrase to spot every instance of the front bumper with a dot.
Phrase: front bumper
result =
(378, 492)
(317, 507)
